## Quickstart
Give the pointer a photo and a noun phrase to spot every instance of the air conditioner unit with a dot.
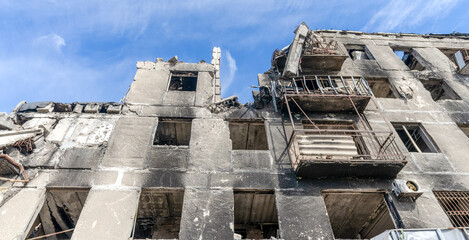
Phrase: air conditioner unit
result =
(406, 189)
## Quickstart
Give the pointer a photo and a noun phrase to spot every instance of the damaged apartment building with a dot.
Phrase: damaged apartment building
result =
(351, 135)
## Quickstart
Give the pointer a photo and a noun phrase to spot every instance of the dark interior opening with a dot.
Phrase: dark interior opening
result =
(255, 214)
(359, 52)
(60, 212)
(381, 87)
(358, 215)
(248, 135)
(420, 138)
(464, 128)
(173, 131)
(409, 59)
(183, 81)
(159, 214)
(440, 90)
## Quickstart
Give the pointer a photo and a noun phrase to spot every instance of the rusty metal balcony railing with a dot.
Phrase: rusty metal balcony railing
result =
(315, 93)
(340, 149)
(328, 85)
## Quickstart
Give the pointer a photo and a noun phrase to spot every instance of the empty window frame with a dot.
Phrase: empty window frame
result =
(183, 81)
(440, 90)
(409, 59)
(60, 213)
(359, 52)
(159, 214)
(456, 205)
(415, 138)
(173, 131)
(358, 215)
(248, 135)
(381, 87)
(255, 214)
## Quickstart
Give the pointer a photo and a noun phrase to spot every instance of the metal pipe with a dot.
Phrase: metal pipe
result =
(296, 86)
(411, 139)
(344, 131)
(305, 115)
(26, 179)
(345, 85)
(52, 234)
(304, 84)
(330, 82)
(318, 83)
(289, 112)
(274, 97)
(365, 83)
(355, 85)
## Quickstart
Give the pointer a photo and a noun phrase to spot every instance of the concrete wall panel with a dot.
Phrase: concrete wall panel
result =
(18, 213)
(386, 58)
(129, 142)
(207, 214)
(210, 145)
(302, 216)
(107, 214)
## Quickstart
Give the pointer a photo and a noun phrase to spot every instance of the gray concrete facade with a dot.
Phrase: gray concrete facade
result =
(113, 155)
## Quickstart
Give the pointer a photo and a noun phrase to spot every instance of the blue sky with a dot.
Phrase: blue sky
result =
(70, 51)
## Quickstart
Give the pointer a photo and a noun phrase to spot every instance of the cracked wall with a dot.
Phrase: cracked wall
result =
(111, 151)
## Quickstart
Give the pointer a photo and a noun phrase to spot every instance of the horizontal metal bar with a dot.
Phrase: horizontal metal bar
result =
(340, 131)
(326, 95)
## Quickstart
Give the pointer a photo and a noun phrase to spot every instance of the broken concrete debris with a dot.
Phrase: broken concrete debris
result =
(6, 123)
(173, 59)
(225, 104)
(295, 51)
(336, 120)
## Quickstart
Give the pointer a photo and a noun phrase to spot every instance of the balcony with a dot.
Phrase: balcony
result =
(345, 145)
(313, 93)
(342, 151)
(323, 55)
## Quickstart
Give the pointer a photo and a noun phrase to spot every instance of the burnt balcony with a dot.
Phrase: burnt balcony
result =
(313, 93)
(323, 55)
(342, 151)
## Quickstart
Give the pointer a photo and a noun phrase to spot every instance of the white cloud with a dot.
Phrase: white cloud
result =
(52, 40)
(399, 14)
(228, 71)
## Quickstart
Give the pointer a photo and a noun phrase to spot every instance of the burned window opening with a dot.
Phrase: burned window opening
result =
(381, 87)
(60, 213)
(456, 205)
(159, 214)
(255, 214)
(359, 52)
(358, 215)
(409, 59)
(440, 90)
(173, 131)
(415, 138)
(248, 135)
(183, 81)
